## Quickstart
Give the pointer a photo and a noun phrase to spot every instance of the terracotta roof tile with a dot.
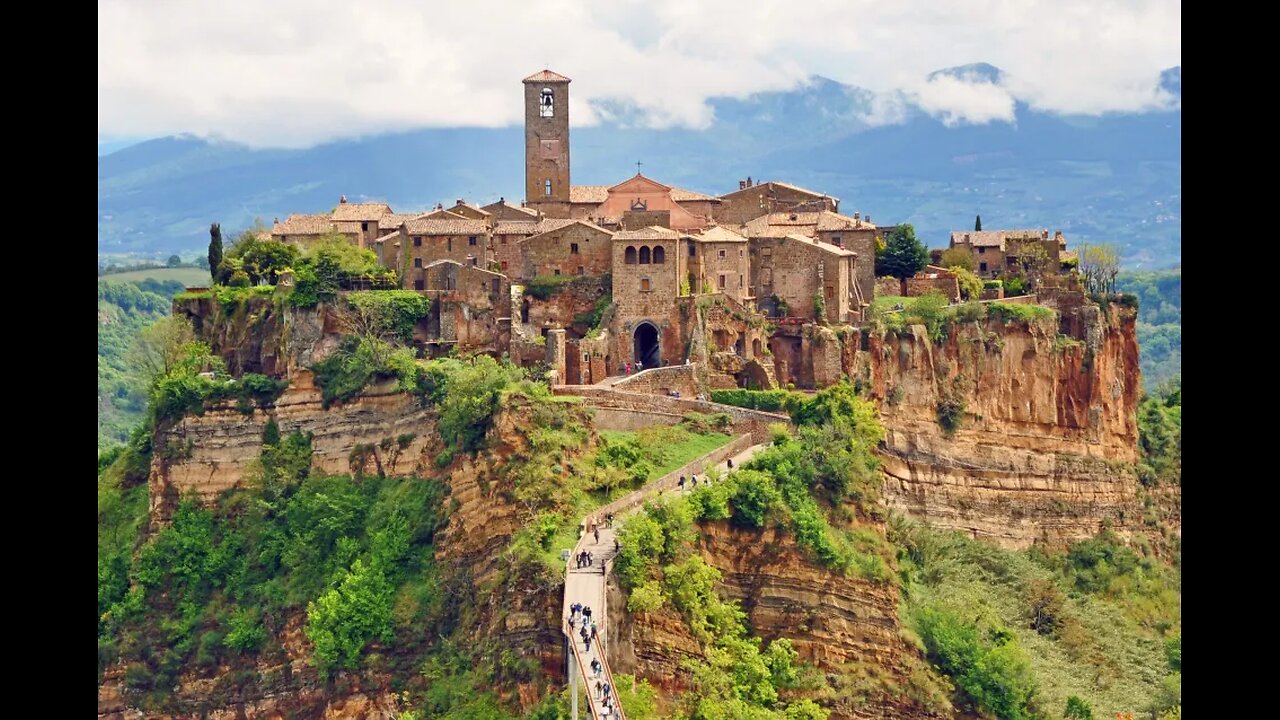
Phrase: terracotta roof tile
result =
(682, 195)
(718, 233)
(348, 212)
(794, 188)
(825, 247)
(652, 232)
(440, 226)
(588, 193)
(391, 221)
(993, 238)
(546, 76)
(514, 227)
(304, 225)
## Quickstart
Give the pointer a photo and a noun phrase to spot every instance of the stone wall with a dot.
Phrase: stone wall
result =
(754, 422)
(926, 282)
(662, 381)
(577, 249)
(889, 286)
(671, 480)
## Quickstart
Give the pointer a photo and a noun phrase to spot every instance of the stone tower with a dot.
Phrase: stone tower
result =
(546, 143)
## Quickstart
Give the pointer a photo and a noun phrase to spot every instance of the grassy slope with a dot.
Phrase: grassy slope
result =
(191, 277)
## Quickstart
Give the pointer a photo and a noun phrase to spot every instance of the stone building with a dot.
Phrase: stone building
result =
(509, 234)
(751, 200)
(999, 252)
(430, 238)
(789, 273)
(648, 268)
(360, 219)
(304, 231)
(546, 143)
(577, 248)
(500, 210)
(851, 233)
(470, 307)
(934, 279)
(719, 262)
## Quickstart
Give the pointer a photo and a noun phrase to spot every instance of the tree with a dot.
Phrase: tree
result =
(161, 347)
(1033, 258)
(215, 251)
(264, 259)
(1077, 709)
(970, 284)
(1099, 265)
(957, 258)
(174, 261)
(903, 254)
(977, 224)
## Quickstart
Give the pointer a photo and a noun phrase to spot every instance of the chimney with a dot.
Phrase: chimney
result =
(966, 237)
(342, 200)
(439, 206)
(749, 181)
(856, 215)
(275, 221)
(459, 202)
(502, 200)
(1044, 234)
(868, 219)
(742, 184)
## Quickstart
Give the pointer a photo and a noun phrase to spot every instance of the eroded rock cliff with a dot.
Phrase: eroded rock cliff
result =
(1009, 430)
(845, 626)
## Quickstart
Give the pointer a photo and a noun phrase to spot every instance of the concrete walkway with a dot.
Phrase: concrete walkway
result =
(587, 585)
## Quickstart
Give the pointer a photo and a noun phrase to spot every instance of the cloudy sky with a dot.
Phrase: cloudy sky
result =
(297, 72)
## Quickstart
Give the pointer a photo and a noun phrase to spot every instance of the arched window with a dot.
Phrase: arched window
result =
(659, 256)
(644, 255)
(629, 257)
(546, 188)
(547, 104)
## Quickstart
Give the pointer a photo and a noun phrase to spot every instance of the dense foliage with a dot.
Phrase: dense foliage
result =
(800, 484)
(903, 255)
(1021, 633)
(1160, 435)
(124, 309)
(1159, 322)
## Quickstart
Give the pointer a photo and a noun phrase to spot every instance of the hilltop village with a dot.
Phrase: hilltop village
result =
(601, 281)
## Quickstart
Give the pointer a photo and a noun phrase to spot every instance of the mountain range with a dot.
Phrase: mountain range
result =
(1109, 178)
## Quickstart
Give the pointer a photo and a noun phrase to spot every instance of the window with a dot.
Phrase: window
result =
(629, 256)
(831, 293)
(721, 253)
(573, 248)
(495, 285)
(364, 227)
(546, 188)
(556, 272)
(722, 282)
(742, 253)
(417, 241)
(473, 261)
(659, 256)
(504, 266)
(586, 357)
(741, 281)
(471, 240)
(644, 255)
(547, 103)
(644, 284)
(449, 244)
(693, 250)
(982, 251)
(1012, 261)
(835, 240)
(417, 262)
(417, 285)
(582, 270)
(502, 239)
(982, 267)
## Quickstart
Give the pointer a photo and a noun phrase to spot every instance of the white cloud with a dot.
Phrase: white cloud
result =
(295, 72)
(964, 100)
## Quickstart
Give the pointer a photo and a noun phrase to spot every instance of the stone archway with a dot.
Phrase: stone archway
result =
(646, 347)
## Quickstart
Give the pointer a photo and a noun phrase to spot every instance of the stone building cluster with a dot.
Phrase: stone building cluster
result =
(638, 274)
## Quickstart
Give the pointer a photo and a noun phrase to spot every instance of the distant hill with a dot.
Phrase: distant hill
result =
(1112, 178)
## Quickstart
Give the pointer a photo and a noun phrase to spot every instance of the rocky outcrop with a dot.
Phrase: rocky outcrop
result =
(262, 335)
(381, 429)
(845, 626)
(1043, 429)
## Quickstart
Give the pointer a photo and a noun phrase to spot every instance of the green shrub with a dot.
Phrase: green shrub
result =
(1014, 312)
(950, 413)
(343, 620)
(1077, 709)
(244, 631)
(543, 287)
(755, 496)
(390, 313)
(992, 670)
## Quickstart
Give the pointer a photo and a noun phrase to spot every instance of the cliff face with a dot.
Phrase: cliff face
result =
(261, 335)
(845, 626)
(500, 603)
(1047, 430)
(212, 452)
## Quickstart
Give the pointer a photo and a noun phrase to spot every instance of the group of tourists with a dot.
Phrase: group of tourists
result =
(693, 479)
(585, 559)
(588, 631)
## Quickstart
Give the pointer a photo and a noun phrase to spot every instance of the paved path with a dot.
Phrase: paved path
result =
(587, 586)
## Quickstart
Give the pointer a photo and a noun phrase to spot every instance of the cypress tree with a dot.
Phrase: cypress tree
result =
(215, 251)
(977, 224)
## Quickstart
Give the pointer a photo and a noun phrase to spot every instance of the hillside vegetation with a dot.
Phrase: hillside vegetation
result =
(1159, 322)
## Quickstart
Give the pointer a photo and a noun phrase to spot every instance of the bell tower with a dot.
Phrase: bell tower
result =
(546, 143)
